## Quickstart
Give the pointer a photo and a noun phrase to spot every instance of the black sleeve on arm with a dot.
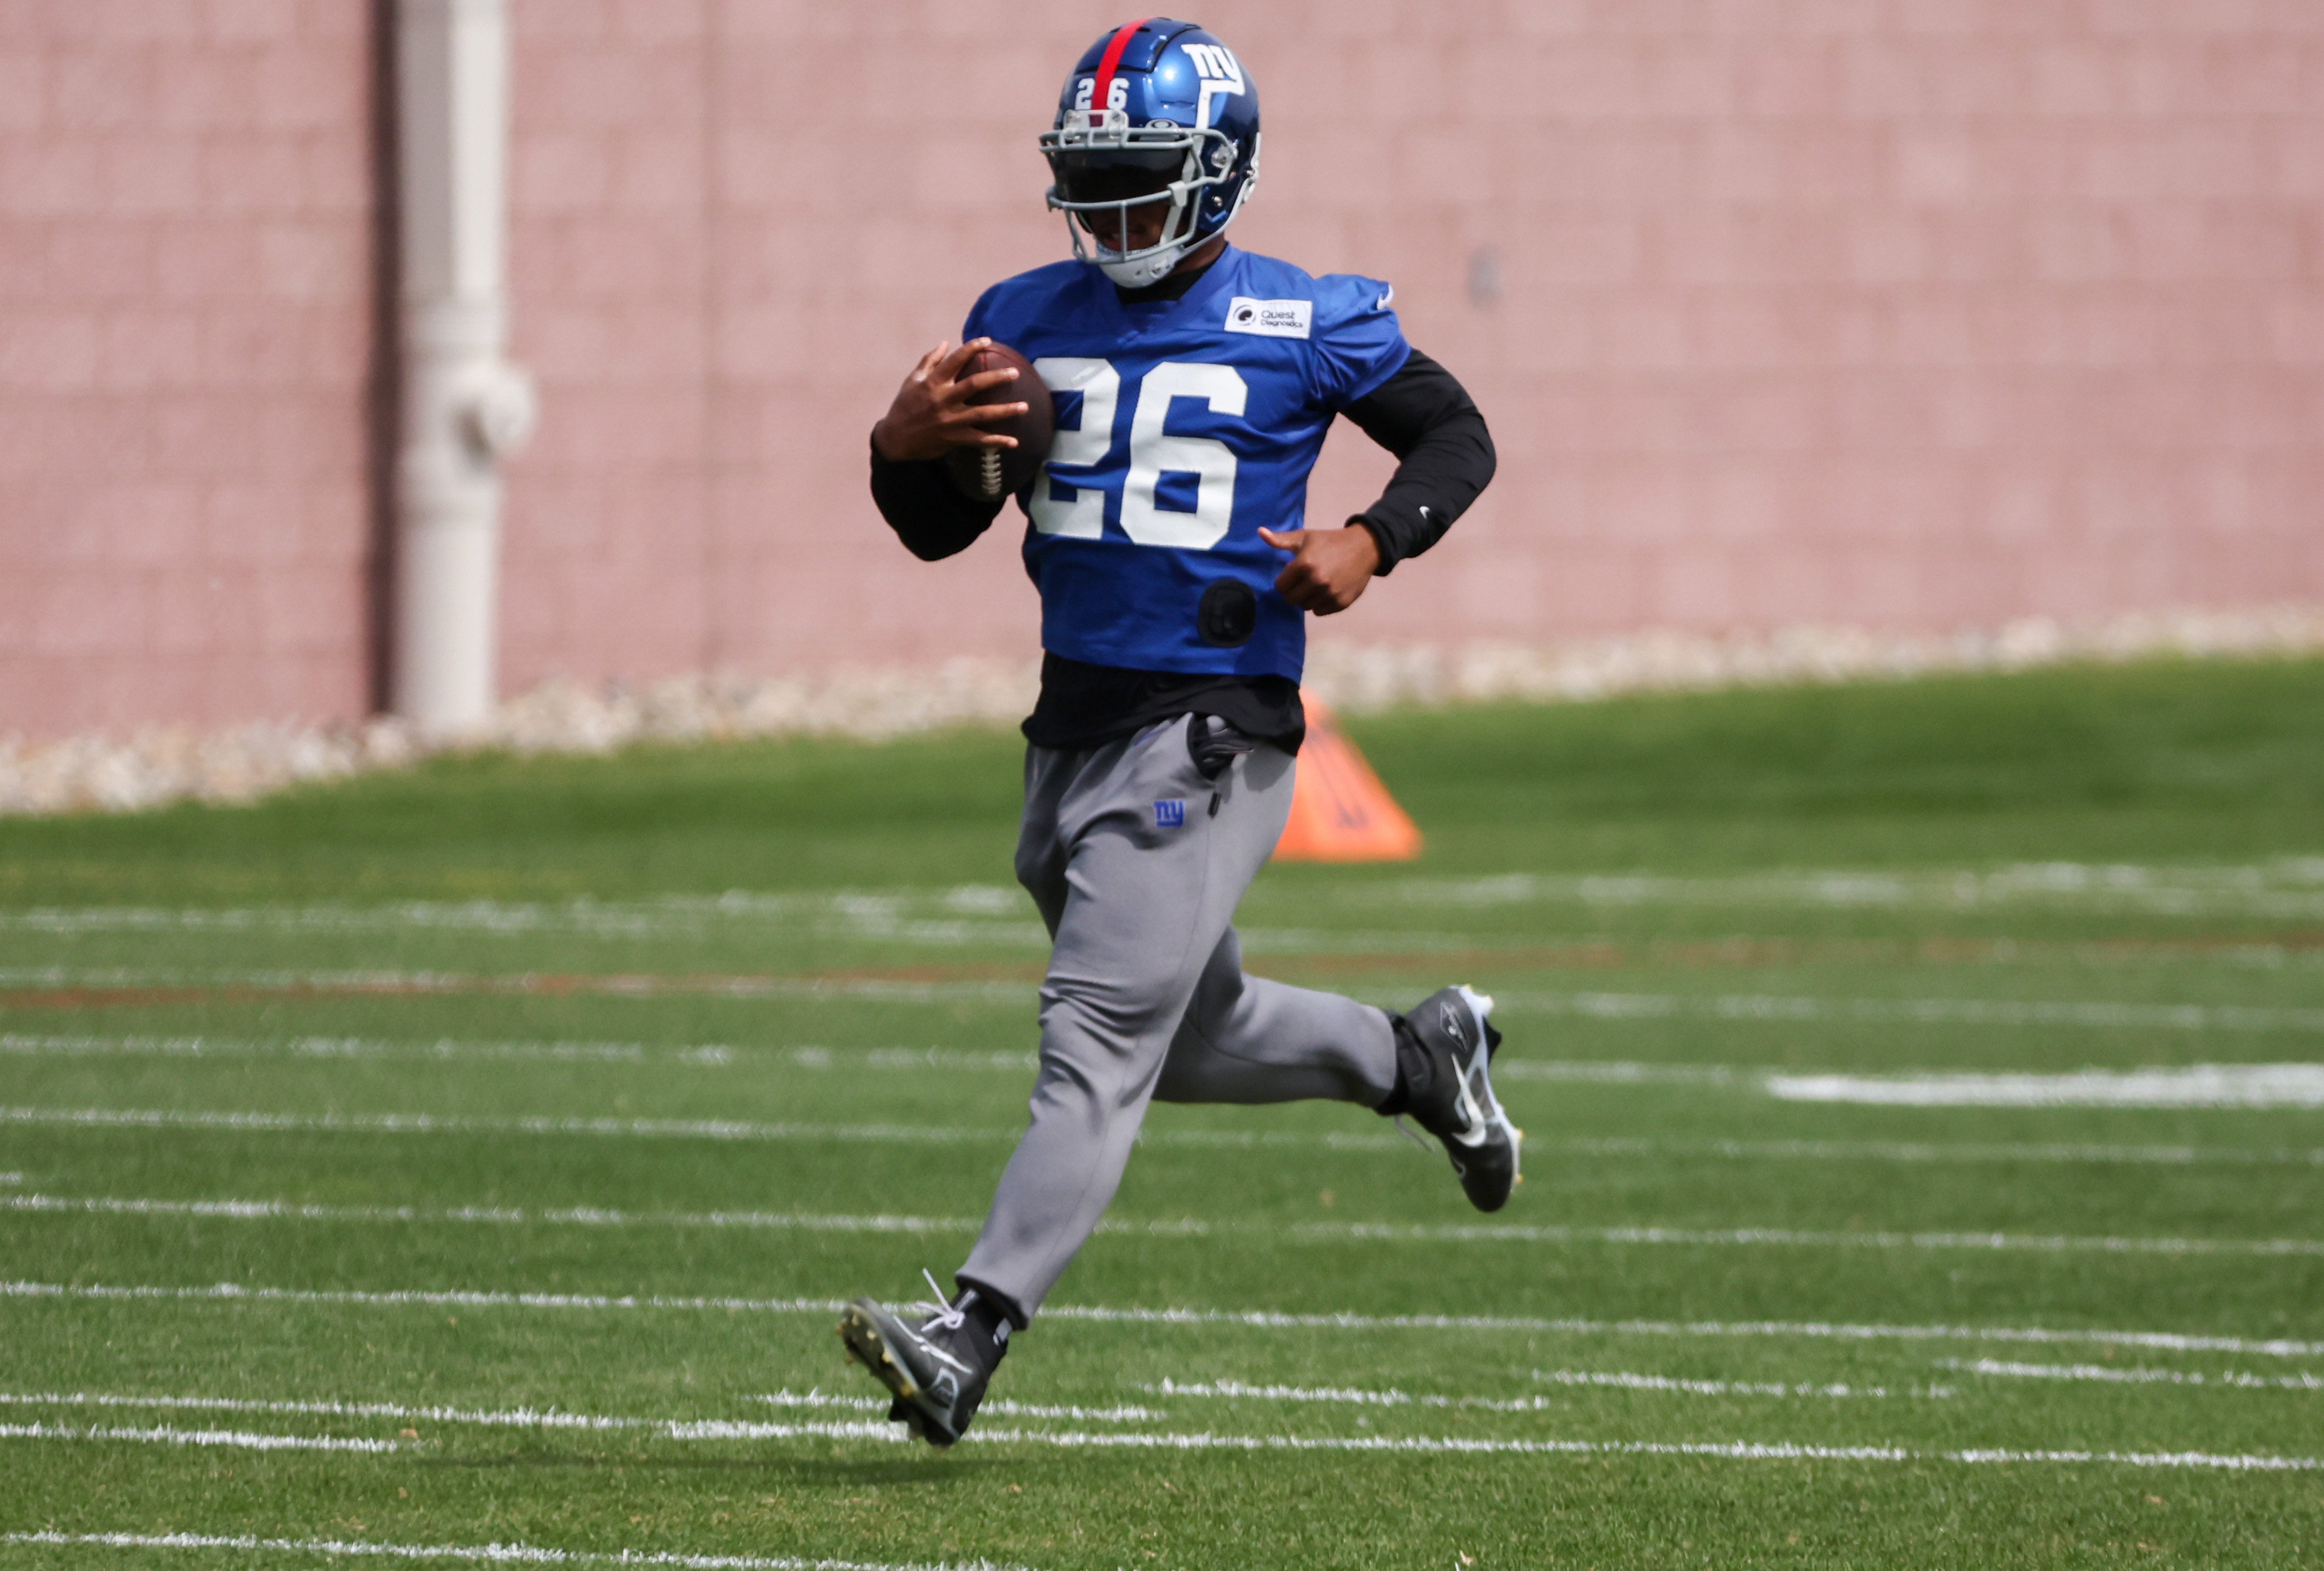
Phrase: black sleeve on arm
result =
(924, 509)
(1444, 456)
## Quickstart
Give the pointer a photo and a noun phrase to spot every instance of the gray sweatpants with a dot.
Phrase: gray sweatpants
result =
(1137, 879)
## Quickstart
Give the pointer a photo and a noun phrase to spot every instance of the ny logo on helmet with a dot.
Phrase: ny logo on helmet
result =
(1219, 71)
(1214, 62)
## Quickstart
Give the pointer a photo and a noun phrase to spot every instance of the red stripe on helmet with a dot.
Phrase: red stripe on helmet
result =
(1102, 90)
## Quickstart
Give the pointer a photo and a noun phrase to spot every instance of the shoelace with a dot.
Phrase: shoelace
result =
(951, 1316)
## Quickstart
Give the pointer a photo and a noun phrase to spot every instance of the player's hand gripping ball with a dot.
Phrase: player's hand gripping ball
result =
(989, 473)
(982, 409)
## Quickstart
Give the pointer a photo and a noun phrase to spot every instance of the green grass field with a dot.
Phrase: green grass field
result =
(477, 1157)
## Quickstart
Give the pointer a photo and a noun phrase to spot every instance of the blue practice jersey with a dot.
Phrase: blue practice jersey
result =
(1184, 427)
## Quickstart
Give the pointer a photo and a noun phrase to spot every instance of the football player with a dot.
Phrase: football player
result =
(1194, 384)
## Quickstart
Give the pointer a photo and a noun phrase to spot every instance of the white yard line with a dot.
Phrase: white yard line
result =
(1604, 1005)
(1800, 1238)
(1732, 1450)
(557, 1418)
(721, 1055)
(1080, 1440)
(1622, 1381)
(492, 1418)
(480, 917)
(527, 983)
(234, 1439)
(1269, 1319)
(1619, 1072)
(2293, 887)
(688, 1429)
(498, 1418)
(1118, 1414)
(239, 1210)
(452, 1298)
(989, 916)
(548, 1417)
(434, 1123)
(1793, 1010)
(1392, 1398)
(2237, 1379)
(489, 1554)
(1737, 1450)
(568, 1216)
(721, 1128)
(423, 1123)
(1890, 1150)
(1250, 1319)
(338, 1048)
(954, 917)
(2253, 1084)
(1020, 1063)
(708, 1055)
(2232, 1086)
(2290, 887)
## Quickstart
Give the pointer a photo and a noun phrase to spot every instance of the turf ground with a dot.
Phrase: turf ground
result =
(477, 1157)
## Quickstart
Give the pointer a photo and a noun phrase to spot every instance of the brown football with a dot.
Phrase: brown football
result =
(989, 474)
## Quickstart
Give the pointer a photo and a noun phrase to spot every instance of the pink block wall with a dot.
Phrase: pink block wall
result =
(1910, 315)
(1906, 313)
(185, 336)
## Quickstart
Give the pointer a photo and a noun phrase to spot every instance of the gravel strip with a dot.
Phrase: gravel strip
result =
(96, 773)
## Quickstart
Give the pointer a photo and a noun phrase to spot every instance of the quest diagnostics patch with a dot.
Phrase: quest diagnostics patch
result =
(1270, 318)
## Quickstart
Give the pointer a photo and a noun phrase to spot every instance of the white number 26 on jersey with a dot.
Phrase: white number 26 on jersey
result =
(1080, 513)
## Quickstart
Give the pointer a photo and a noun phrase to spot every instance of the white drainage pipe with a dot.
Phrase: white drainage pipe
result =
(464, 407)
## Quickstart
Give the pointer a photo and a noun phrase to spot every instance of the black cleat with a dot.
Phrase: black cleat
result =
(937, 1369)
(1444, 1049)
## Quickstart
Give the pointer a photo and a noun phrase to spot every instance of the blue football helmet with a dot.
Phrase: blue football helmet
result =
(1158, 111)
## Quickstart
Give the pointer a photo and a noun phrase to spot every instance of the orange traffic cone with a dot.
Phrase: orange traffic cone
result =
(1340, 811)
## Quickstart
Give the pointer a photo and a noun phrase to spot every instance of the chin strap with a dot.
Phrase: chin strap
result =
(1145, 272)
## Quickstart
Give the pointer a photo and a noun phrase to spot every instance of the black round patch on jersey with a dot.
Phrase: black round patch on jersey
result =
(1228, 615)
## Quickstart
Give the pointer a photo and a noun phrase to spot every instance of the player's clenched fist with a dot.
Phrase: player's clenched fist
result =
(1329, 567)
(932, 414)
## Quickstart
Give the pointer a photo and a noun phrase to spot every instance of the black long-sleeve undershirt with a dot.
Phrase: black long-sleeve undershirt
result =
(931, 515)
(1444, 456)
